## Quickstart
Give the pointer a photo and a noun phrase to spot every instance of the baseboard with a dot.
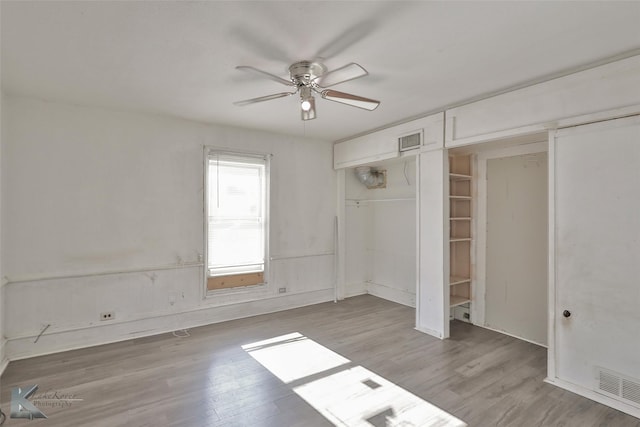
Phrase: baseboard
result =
(596, 397)
(392, 294)
(428, 331)
(24, 347)
(4, 361)
(355, 289)
(511, 335)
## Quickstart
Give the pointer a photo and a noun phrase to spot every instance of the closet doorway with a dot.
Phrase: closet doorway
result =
(515, 243)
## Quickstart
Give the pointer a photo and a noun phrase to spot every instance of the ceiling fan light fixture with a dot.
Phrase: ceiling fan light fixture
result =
(308, 108)
(307, 104)
(308, 77)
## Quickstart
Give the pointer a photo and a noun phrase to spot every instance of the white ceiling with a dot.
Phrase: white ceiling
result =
(179, 58)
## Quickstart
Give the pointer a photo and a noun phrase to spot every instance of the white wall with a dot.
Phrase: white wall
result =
(381, 234)
(90, 191)
(517, 246)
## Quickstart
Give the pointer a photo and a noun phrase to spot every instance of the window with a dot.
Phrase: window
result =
(236, 219)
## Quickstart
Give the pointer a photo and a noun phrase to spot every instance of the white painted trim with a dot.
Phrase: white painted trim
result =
(365, 202)
(74, 338)
(209, 150)
(446, 250)
(596, 397)
(478, 306)
(204, 286)
(391, 294)
(165, 313)
(341, 246)
(494, 136)
(512, 335)
(355, 289)
(600, 116)
(431, 332)
(46, 277)
(4, 361)
(540, 127)
(283, 257)
(551, 295)
(418, 232)
(3, 365)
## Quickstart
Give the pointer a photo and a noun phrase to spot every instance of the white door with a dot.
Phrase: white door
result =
(597, 259)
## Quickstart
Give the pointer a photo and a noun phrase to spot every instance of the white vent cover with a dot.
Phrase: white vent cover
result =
(409, 142)
(631, 390)
(619, 386)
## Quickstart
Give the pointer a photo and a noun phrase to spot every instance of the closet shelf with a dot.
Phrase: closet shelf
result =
(460, 218)
(460, 197)
(460, 239)
(456, 300)
(458, 280)
(459, 177)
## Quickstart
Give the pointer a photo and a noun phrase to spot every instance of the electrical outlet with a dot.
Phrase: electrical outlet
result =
(282, 290)
(108, 315)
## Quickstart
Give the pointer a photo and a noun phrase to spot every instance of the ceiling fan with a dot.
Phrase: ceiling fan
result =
(312, 77)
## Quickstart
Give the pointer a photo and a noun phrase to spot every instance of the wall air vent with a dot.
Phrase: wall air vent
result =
(631, 390)
(618, 386)
(411, 141)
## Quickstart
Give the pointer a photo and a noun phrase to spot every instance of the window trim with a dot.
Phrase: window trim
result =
(208, 152)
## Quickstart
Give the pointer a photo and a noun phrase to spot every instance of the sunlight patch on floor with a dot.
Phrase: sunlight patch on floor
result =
(358, 397)
(353, 396)
(293, 356)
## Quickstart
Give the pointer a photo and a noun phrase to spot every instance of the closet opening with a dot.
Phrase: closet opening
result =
(499, 256)
(380, 230)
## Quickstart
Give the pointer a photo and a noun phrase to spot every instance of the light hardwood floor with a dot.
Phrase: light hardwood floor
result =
(479, 376)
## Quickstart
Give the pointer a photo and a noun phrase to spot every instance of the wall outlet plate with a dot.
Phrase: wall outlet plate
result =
(108, 315)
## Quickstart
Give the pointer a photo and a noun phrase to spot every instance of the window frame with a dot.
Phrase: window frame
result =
(210, 152)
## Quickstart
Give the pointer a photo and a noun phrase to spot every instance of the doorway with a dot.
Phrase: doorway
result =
(513, 242)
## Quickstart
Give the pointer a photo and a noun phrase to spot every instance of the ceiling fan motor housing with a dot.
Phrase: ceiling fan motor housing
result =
(304, 72)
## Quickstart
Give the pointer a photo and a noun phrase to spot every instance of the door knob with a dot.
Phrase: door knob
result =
(566, 313)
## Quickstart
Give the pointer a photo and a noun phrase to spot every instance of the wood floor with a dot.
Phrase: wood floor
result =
(481, 377)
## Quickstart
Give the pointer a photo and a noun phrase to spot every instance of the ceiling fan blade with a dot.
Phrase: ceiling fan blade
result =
(349, 99)
(263, 98)
(265, 74)
(340, 75)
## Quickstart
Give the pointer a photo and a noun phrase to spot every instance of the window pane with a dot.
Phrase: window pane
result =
(236, 214)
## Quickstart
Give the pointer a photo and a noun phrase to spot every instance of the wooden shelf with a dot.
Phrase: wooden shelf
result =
(459, 177)
(456, 300)
(457, 280)
(460, 229)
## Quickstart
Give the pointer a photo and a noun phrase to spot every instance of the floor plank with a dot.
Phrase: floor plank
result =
(207, 379)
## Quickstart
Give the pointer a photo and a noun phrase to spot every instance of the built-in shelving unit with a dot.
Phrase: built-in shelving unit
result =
(460, 235)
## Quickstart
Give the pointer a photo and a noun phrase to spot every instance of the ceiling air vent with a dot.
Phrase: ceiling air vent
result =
(409, 142)
(618, 386)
